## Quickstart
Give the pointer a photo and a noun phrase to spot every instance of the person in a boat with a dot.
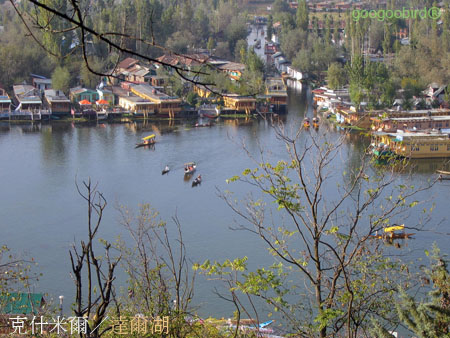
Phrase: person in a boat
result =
(166, 168)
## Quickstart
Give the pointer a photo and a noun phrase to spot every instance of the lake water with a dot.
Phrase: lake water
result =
(41, 213)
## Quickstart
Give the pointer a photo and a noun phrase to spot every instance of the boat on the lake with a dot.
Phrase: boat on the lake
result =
(306, 123)
(165, 170)
(315, 122)
(395, 231)
(443, 175)
(149, 140)
(197, 181)
(189, 168)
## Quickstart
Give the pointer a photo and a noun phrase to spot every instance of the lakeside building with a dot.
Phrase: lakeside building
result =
(411, 120)
(106, 94)
(5, 104)
(415, 144)
(78, 94)
(233, 69)
(277, 94)
(202, 91)
(164, 104)
(132, 70)
(29, 103)
(350, 116)
(239, 104)
(56, 102)
(41, 83)
(295, 74)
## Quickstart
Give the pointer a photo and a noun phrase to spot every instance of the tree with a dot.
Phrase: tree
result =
(292, 42)
(61, 79)
(280, 6)
(336, 76)
(324, 240)
(303, 62)
(92, 274)
(160, 282)
(240, 51)
(269, 28)
(302, 19)
(429, 318)
(211, 44)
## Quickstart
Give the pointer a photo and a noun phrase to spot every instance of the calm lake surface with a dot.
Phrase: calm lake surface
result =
(41, 213)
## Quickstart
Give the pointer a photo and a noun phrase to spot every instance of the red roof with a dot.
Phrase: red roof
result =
(102, 101)
(82, 102)
(127, 63)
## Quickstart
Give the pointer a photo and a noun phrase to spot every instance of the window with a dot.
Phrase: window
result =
(448, 147)
(434, 147)
(415, 147)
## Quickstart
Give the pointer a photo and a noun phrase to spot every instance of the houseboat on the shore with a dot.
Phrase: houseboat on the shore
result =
(432, 144)
(29, 104)
(5, 105)
(276, 92)
(411, 120)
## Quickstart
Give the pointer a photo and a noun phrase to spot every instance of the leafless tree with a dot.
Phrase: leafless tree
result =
(94, 298)
(160, 277)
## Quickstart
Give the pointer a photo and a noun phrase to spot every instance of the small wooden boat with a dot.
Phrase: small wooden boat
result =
(390, 233)
(315, 122)
(443, 175)
(306, 123)
(147, 141)
(210, 116)
(197, 181)
(392, 236)
(165, 170)
(189, 168)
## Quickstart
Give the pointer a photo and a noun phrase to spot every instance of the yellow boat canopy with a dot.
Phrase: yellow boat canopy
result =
(148, 137)
(394, 228)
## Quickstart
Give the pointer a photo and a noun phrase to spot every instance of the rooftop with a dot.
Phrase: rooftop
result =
(24, 90)
(55, 95)
(127, 63)
(153, 93)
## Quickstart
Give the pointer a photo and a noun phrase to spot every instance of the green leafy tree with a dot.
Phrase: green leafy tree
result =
(302, 19)
(211, 44)
(61, 79)
(269, 27)
(429, 318)
(336, 76)
(324, 243)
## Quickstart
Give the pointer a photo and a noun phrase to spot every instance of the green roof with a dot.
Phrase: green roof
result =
(21, 303)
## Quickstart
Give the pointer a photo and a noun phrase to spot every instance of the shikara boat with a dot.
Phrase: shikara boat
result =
(390, 233)
(315, 122)
(189, 168)
(166, 170)
(197, 181)
(306, 123)
(443, 175)
(147, 141)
